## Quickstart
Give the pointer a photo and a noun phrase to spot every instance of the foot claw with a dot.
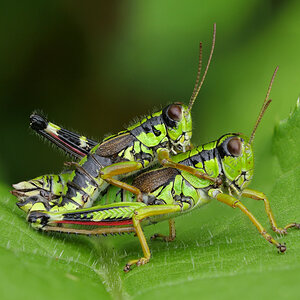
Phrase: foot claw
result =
(297, 225)
(127, 268)
(138, 262)
(281, 248)
(154, 236)
(280, 231)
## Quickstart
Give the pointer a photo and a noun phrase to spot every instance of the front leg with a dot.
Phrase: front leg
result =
(121, 168)
(256, 195)
(166, 161)
(233, 202)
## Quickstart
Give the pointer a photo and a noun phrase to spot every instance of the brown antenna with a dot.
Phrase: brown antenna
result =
(264, 107)
(194, 96)
(198, 85)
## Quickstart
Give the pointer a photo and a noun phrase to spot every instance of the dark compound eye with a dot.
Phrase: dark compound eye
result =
(234, 146)
(175, 112)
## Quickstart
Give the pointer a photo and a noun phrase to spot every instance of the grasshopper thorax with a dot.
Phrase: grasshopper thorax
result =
(178, 122)
(236, 156)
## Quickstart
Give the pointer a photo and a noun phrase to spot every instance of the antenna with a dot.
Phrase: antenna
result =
(264, 107)
(194, 96)
(198, 85)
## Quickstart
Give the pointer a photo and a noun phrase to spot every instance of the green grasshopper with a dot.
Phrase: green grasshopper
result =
(117, 157)
(173, 190)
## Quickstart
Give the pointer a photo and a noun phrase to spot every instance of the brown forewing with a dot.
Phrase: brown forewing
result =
(149, 181)
(115, 145)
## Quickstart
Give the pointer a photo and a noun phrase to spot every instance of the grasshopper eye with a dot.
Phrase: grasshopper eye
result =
(175, 112)
(234, 146)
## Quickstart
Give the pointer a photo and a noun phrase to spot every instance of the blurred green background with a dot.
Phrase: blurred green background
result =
(94, 66)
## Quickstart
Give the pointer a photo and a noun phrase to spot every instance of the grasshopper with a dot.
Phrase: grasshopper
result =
(118, 156)
(174, 190)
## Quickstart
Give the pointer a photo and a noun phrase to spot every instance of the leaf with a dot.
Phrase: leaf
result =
(35, 265)
(217, 250)
(286, 140)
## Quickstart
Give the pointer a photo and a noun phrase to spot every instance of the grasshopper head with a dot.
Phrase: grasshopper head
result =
(178, 123)
(237, 160)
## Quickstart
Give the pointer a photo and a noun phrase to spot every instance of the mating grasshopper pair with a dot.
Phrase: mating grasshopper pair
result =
(218, 170)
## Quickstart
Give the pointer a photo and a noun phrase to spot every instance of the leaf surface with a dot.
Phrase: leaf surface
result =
(217, 249)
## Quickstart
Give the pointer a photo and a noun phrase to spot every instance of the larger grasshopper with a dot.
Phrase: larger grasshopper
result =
(174, 190)
(118, 156)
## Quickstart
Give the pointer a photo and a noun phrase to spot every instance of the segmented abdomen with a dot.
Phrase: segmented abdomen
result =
(85, 183)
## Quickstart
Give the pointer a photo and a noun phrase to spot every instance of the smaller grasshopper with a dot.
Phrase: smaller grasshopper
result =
(171, 191)
(117, 157)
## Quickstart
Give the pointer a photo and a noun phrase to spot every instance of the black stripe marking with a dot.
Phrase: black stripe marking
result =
(90, 167)
(207, 154)
(147, 126)
(80, 180)
(51, 184)
(66, 200)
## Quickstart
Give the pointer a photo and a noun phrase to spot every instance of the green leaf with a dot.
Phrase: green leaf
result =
(286, 141)
(217, 250)
(36, 265)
